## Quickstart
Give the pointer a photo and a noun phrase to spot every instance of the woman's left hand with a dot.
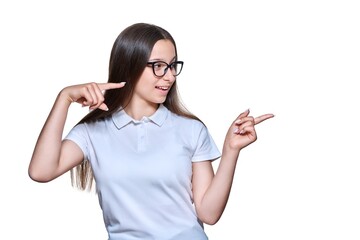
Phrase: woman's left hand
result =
(242, 131)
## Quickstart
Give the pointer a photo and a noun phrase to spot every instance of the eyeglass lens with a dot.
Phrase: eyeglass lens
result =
(160, 68)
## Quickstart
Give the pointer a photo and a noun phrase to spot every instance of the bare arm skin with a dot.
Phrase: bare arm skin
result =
(53, 157)
(211, 191)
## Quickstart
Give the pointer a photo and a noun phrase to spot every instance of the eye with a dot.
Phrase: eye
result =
(174, 65)
(159, 65)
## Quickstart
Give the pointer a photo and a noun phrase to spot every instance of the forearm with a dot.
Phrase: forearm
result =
(212, 191)
(215, 199)
(45, 158)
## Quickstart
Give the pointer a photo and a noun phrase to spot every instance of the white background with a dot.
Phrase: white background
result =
(296, 59)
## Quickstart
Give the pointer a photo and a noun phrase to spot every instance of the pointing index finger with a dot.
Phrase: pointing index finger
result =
(107, 86)
(263, 118)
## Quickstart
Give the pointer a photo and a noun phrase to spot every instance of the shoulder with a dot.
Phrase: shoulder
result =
(92, 126)
(186, 126)
(185, 121)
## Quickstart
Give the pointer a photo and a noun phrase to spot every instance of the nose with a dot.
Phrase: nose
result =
(169, 75)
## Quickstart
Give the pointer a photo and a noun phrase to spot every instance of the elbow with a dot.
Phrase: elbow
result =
(38, 176)
(209, 219)
(208, 215)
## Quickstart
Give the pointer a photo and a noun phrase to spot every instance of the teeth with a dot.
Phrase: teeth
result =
(163, 88)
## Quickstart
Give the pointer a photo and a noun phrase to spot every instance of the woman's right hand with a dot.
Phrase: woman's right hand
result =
(90, 94)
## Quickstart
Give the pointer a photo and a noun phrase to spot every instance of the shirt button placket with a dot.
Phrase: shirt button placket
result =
(141, 140)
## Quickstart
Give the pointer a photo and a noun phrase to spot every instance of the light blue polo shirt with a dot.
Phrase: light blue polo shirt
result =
(143, 173)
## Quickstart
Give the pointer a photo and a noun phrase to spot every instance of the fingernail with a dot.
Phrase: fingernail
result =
(238, 121)
(242, 131)
(236, 130)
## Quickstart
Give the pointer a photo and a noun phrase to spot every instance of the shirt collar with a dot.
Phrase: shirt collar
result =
(160, 115)
(121, 118)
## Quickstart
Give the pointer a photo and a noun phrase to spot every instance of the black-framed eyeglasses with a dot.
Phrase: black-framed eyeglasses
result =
(160, 67)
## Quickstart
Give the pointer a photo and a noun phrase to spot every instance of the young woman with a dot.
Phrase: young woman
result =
(151, 159)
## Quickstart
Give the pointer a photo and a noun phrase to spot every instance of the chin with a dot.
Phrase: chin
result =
(160, 101)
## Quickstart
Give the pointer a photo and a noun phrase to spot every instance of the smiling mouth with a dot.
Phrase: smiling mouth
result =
(162, 88)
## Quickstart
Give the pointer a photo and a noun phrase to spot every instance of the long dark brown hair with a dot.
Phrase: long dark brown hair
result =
(129, 56)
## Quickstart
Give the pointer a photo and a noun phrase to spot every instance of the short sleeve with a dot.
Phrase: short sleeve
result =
(205, 147)
(78, 135)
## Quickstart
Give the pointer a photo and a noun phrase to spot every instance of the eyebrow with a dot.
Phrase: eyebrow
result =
(163, 60)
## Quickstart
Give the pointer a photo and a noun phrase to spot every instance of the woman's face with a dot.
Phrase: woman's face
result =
(151, 89)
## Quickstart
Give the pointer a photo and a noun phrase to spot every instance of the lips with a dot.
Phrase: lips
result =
(163, 88)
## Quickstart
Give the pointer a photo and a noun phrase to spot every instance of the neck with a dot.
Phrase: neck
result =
(140, 110)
